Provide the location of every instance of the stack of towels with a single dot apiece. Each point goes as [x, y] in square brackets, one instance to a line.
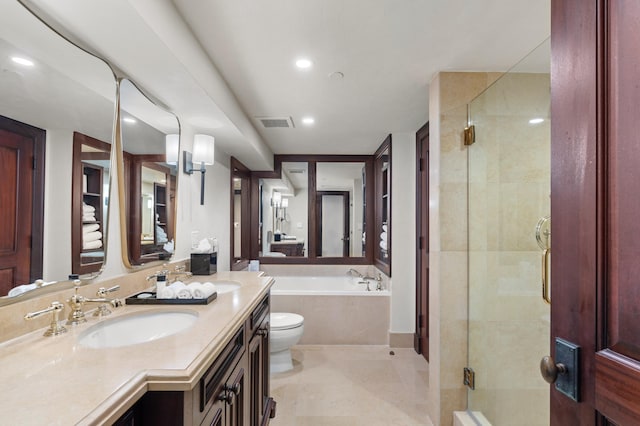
[91, 235]
[161, 235]
[180, 290]
[383, 238]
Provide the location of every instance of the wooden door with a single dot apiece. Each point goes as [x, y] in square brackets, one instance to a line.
[21, 203]
[421, 339]
[595, 203]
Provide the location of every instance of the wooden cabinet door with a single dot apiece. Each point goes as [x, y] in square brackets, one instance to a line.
[595, 205]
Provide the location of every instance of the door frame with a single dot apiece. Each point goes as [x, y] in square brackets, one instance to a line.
[421, 334]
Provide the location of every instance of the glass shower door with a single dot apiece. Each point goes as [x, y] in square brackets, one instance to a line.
[509, 192]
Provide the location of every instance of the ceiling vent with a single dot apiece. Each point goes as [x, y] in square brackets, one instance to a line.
[276, 122]
[296, 171]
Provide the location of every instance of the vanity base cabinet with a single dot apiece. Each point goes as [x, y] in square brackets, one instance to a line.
[234, 390]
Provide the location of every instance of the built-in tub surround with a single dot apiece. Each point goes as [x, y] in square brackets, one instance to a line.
[104, 383]
[337, 309]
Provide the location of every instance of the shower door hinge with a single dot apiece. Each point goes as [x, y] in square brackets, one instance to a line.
[469, 135]
[469, 378]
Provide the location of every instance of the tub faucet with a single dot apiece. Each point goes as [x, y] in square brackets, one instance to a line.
[377, 279]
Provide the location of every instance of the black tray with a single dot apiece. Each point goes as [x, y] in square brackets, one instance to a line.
[134, 300]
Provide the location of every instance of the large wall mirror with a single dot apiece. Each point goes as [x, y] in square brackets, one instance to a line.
[314, 209]
[240, 214]
[52, 94]
[150, 153]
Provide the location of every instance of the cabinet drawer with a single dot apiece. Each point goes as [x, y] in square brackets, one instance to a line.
[213, 380]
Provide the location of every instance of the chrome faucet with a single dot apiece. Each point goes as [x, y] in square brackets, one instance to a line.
[76, 302]
[102, 293]
[377, 279]
[178, 271]
[54, 328]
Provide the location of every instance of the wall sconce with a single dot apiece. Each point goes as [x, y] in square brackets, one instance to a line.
[172, 149]
[203, 153]
[276, 199]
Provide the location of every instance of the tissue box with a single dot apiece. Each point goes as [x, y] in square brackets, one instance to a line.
[204, 263]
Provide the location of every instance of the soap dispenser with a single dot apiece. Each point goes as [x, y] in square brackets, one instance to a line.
[161, 283]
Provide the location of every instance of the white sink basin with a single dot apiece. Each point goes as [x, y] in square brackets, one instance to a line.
[136, 328]
[226, 286]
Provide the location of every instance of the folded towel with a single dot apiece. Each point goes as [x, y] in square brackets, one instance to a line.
[171, 292]
[89, 217]
[92, 245]
[86, 208]
[91, 236]
[384, 228]
[202, 291]
[383, 245]
[184, 293]
[21, 289]
[90, 228]
[383, 236]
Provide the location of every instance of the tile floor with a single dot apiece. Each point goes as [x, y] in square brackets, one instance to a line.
[352, 386]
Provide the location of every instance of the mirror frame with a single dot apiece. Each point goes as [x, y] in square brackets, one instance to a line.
[312, 257]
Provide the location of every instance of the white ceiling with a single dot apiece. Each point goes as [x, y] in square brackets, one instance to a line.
[220, 63]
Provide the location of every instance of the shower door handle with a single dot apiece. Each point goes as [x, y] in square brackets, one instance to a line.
[546, 276]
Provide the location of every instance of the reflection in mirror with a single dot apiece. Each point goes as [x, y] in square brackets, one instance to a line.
[49, 91]
[148, 133]
[240, 214]
[340, 195]
[284, 207]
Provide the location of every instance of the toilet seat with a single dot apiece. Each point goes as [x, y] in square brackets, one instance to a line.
[285, 320]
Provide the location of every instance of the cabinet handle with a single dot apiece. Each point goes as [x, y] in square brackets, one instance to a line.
[263, 331]
[226, 396]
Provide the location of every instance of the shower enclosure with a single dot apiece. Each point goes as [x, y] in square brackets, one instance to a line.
[508, 195]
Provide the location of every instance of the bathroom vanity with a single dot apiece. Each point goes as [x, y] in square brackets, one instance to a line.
[216, 372]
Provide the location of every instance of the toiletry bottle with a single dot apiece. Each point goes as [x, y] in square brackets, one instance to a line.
[161, 283]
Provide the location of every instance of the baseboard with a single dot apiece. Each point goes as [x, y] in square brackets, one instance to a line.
[401, 340]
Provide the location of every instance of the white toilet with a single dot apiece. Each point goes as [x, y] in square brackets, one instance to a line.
[286, 331]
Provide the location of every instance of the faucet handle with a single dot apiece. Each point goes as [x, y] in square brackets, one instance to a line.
[54, 328]
[102, 292]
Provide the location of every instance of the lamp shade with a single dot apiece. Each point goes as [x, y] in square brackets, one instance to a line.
[284, 203]
[172, 148]
[276, 198]
[203, 149]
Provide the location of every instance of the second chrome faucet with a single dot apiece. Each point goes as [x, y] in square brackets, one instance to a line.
[76, 303]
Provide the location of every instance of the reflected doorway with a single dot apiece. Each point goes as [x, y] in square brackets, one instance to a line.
[333, 219]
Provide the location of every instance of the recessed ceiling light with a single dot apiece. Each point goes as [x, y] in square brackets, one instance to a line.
[336, 75]
[304, 63]
[308, 120]
[536, 120]
[129, 120]
[22, 61]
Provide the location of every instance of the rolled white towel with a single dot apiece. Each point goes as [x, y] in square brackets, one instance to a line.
[21, 289]
[383, 245]
[86, 208]
[90, 228]
[89, 217]
[202, 291]
[92, 245]
[383, 236]
[384, 228]
[171, 291]
[184, 293]
[91, 236]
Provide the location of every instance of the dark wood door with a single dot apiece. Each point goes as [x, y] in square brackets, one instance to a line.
[594, 199]
[21, 203]
[421, 339]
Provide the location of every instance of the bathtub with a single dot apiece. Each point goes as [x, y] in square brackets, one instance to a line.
[336, 310]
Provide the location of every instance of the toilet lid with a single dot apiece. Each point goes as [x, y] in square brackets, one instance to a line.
[285, 320]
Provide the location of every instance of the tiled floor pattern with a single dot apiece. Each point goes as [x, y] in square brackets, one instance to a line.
[352, 386]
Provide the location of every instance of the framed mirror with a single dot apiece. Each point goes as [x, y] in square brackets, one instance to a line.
[50, 91]
[150, 146]
[314, 209]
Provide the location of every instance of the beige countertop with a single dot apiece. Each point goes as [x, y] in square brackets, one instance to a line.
[55, 381]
